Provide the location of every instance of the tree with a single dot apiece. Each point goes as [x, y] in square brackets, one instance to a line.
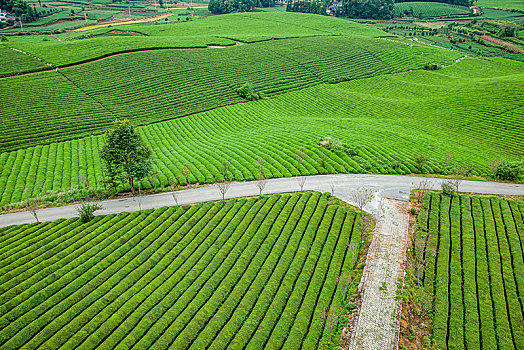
[420, 190]
[174, 190]
[301, 182]
[33, 203]
[361, 197]
[300, 155]
[509, 171]
[375, 9]
[224, 169]
[260, 162]
[332, 186]
[125, 155]
[223, 187]
[187, 170]
[261, 182]
[420, 160]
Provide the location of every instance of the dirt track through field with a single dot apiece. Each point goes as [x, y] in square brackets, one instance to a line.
[376, 327]
[143, 20]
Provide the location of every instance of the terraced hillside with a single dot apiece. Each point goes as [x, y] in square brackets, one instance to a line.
[475, 271]
[471, 111]
[430, 9]
[245, 273]
[13, 62]
[215, 30]
[159, 85]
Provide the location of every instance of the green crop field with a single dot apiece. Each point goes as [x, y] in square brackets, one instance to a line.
[505, 4]
[241, 274]
[471, 110]
[14, 62]
[430, 9]
[475, 271]
[158, 85]
[216, 30]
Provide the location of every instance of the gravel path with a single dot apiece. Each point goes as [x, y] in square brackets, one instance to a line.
[376, 328]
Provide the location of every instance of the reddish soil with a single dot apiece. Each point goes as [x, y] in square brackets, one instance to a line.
[119, 32]
[499, 42]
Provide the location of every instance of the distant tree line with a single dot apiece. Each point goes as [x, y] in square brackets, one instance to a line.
[467, 3]
[19, 8]
[373, 9]
[318, 7]
[218, 7]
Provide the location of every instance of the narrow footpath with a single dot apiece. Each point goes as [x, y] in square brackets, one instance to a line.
[376, 323]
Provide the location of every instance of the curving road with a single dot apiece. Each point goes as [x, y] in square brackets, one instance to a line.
[384, 186]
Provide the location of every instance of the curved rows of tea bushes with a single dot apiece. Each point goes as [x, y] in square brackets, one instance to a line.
[245, 273]
[476, 271]
[213, 30]
[430, 9]
[158, 85]
[390, 119]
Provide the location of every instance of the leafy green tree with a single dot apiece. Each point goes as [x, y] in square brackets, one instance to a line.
[375, 9]
[228, 6]
[125, 155]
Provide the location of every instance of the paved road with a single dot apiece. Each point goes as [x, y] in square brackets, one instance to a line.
[385, 186]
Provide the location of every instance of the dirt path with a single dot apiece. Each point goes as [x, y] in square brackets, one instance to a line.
[376, 327]
[135, 21]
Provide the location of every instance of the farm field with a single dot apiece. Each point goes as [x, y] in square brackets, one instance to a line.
[475, 271]
[245, 273]
[390, 119]
[215, 30]
[430, 9]
[158, 85]
[505, 4]
[13, 62]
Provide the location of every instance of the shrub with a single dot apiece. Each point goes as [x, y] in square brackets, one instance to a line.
[333, 144]
[86, 211]
[447, 188]
[431, 66]
[246, 91]
[413, 211]
[420, 160]
[510, 171]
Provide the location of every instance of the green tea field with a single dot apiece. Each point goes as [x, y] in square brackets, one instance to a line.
[123, 122]
[167, 84]
[239, 274]
[475, 271]
[390, 118]
[430, 9]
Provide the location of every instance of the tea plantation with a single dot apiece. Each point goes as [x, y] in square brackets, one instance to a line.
[246, 273]
[159, 85]
[475, 271]
[464, 110]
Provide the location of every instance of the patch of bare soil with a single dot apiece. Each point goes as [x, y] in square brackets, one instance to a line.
[124, 32]
[513, 48]
[413, 330]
